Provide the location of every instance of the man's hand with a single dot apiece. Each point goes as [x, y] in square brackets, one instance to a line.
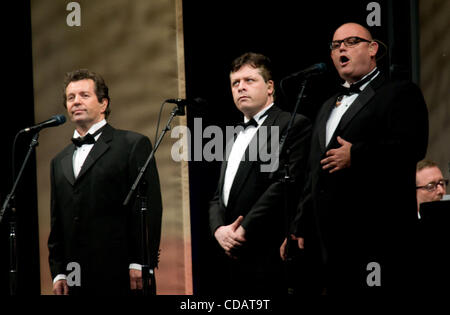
[240, 232]
[300, 244]
[240, 237]
[60, 287]
[135, 279]
[337, 159]
[231, 236]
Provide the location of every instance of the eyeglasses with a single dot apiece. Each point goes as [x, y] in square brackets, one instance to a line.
[432, 186]
[348, 42]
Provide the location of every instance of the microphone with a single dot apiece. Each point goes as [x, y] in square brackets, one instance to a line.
[177, 101]
[52, 122]
[316, 69]
[181, 103]
[197, 101]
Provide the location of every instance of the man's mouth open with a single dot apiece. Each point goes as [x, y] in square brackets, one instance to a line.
[344, 60]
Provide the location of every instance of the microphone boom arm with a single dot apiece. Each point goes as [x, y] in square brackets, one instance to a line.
[13, 259]
[11, 195]
[148, 273]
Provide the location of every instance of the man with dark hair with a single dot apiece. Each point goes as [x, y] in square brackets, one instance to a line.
[365, 145]
[247, 215]
[90, 180]
[100, 87]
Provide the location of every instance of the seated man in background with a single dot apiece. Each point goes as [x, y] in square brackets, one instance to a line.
[430, 183]
[433, 232]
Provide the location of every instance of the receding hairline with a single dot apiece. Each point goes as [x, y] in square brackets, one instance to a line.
[426, 164]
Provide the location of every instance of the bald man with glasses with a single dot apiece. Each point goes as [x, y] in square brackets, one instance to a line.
[359, 208]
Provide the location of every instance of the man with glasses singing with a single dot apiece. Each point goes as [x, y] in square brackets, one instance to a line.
[430, 183]
[365, 145]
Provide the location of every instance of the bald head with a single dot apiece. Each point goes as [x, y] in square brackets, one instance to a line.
[353, 63]
[356, 28]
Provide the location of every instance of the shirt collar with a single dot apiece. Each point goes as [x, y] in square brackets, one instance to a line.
[93, 128]
[259, 117]
[346, 84]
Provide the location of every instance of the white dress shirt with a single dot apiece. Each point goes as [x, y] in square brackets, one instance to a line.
[81, 153]
[237, 151]
[339, 111]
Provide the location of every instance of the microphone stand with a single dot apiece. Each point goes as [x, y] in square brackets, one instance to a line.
[287, 180]
[148, 273]
[13, 261]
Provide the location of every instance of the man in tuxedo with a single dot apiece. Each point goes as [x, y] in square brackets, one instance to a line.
[360, 198]
[247, 213]
[90, 180]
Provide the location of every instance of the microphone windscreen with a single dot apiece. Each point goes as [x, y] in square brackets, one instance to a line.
[321, 67]
[59, 119]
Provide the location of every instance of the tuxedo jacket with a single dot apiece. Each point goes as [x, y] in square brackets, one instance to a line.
[259, 195]
[90, 225]
[365, 211]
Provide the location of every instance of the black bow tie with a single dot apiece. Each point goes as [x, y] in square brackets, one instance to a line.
[355, 88]
[87, 139]
[251, 122]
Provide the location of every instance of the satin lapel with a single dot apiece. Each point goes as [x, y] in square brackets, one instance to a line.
[362, 100]
[222, 179]
[272, 114]
[100, 147]
[224, 165]
[322, 120]
[246, 165]
[357, 105]
[67, 165]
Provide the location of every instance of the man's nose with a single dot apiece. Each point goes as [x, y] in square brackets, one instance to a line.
[342, 47]
[441, 189]
[241, 86]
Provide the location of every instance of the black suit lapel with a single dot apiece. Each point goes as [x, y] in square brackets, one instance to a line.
[362, 100]
[356, 106]
[100, 147]
[246, 166]
[272, 114]
[223, 168]
[67, 164]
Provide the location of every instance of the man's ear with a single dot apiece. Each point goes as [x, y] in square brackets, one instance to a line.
[271, 87]
[104, 105]
[373, 48]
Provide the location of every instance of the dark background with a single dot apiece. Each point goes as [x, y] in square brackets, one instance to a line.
[18, 113]
[293, 34]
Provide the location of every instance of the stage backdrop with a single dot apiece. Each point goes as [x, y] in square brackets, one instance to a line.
[434, 17]
[133, 44]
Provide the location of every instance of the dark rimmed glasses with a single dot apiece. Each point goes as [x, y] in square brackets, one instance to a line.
[348, 42]
[433, 185]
